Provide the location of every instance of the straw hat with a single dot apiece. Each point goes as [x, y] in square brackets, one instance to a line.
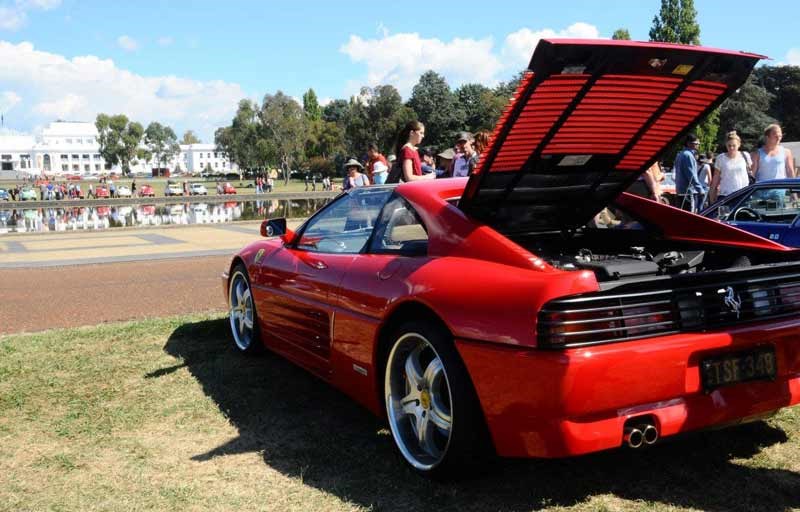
[353, 163]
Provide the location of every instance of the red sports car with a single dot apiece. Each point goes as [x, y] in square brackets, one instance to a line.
[227, 188]
[101, 191]
[146, 191]
[501, 313]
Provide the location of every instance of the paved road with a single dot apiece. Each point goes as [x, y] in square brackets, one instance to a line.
[71, 296]
[52, 280]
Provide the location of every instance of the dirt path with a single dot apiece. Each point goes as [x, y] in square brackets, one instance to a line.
[36, 299]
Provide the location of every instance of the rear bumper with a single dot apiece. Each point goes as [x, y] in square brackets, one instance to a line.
[541, 403]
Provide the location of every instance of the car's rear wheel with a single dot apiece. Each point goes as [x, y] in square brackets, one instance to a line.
[433, 413]
[242, 312]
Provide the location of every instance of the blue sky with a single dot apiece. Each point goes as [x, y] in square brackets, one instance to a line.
[188, 63]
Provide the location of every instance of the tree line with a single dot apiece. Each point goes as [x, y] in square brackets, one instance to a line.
[280, 132]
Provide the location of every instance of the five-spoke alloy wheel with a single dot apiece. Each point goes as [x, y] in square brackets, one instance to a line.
[242, 311]
[433, 414]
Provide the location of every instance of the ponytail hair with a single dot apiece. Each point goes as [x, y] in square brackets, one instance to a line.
[732, 135]
[402, 137]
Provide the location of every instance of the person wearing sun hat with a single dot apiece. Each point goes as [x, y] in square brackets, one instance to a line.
[354, 177]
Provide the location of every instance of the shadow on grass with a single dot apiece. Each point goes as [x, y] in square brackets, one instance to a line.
[304, 428]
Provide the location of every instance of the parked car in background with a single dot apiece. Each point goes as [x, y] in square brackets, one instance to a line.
[668, 192]
[4, 195]
[198, 189]
[227, 188]
[146, 191]
[123, 191]
[576, 337]
[173, 189]
[101, 191]
[28, 194]
[769, 208]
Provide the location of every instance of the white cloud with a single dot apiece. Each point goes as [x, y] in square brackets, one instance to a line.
[127, 43]
[14, 16]
[164, 41]
[8, 100]
[793, 57]
[519, 45]
[45, 86]
[400, 59]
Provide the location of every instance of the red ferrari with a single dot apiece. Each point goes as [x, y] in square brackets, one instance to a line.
[505, 313]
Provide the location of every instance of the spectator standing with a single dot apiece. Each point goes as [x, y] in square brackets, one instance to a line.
[354, 176]
[313, 182]
[133, 187]
[687, 183]
[377, 166]
[445, 160]
[112, 189]
[219, 188]
[427, 163]
[270, 183]
[305, 179]
[463, 155]
[773, 161]
[408, 161]
[648, 183]
[90, 192]
[732, 169]
[479, 146]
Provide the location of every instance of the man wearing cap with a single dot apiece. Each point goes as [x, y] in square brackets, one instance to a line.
[463, 153]
[687, 182]
[354, 176]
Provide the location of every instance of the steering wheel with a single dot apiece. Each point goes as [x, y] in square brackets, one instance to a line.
[754, 215]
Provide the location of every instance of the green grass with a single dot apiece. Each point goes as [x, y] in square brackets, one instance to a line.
[165, 415]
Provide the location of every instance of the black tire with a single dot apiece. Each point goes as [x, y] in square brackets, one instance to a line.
[467, 448]
[244, 342]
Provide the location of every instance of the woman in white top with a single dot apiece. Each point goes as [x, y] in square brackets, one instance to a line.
[773, 161]
[731, 168]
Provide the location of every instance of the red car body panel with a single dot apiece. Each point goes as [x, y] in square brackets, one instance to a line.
[330, 312]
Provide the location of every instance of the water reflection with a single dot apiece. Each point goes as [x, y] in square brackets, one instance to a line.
[34, 220]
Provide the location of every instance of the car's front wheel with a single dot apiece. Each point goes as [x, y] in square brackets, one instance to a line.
[434, 415]
[242, 312]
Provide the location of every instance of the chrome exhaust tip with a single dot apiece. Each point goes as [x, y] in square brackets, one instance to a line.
[649, 433]
[633, 437]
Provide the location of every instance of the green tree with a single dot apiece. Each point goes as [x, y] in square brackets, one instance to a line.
[436, 107]
[621, 34]
[745, 111]
[119, 140]
[322, 166]
[283, 131]
[676, 22]
[241, 141]
[324, 139]
[336, 111]
[190, 138]
[386, 114]
[481, 106]
[161, 142]
[311, 105]
[783, 83]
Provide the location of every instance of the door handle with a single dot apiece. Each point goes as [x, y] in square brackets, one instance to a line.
[319, 265]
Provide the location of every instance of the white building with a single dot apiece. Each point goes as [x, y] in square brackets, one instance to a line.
[72, 148]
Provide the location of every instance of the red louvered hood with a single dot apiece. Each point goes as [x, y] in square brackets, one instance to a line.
[588, 118]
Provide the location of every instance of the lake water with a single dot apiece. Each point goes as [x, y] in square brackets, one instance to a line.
[79, 218]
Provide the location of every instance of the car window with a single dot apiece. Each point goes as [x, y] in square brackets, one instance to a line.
[346, 224]
[400, 230]
[779, 205]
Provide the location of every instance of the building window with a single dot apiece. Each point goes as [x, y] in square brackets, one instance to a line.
[97, 156]
[76, 167]
[87, 167]
[209, 155]
[97, 167]
[85, 157]
[64, 157]
[68, 141]
[65, 167]
[75, 157]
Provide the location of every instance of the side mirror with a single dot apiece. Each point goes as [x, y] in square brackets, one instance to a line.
[273, 227]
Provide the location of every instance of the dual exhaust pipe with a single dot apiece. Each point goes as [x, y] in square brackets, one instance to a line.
[641, 434]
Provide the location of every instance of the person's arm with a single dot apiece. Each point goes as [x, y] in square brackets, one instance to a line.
[651, 184]
[755, 165]
[408, 172]
[790, 171]
[714, 189]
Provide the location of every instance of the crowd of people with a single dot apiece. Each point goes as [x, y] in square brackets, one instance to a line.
[701, 179]
[411, 162]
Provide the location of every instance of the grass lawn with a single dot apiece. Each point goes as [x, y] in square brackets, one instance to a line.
[165, 415]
